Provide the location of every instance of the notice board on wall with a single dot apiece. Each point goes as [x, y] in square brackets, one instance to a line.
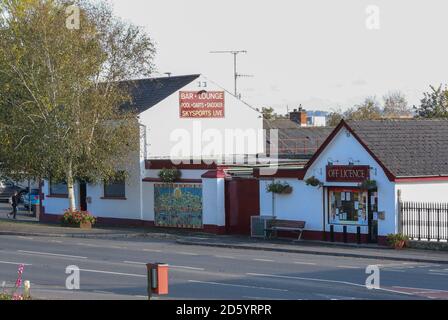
[201, 104]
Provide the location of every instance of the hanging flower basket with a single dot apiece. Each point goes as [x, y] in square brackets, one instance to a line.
[368, 184]
[279, 188]
[314, 182]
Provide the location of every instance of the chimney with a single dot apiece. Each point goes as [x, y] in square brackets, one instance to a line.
[298, 116]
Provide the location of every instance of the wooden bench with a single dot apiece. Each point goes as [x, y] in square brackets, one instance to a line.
[284, 225]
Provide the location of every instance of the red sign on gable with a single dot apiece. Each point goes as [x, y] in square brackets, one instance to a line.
[201, 104]
[348, 173]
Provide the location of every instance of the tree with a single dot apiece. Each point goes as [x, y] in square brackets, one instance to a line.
[369, 109]
[60, 90]
[395, 105]
[334, 117]
[267, 112]
[434, 103]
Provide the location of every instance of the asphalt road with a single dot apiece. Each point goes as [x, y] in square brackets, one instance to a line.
[115, 269]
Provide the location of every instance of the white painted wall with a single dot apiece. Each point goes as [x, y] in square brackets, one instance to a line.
[306, 202]
[345, 148]
[55, 205]
[162, 119]
[436, 191]
[213, 202]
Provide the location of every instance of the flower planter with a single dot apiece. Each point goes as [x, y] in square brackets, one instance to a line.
[287, 190]
[399, 244]
[85, 225]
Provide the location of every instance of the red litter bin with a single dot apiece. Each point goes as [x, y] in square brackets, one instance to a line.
[157, 278]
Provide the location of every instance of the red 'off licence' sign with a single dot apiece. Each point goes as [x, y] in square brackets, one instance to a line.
[348, 173]
[201, 104]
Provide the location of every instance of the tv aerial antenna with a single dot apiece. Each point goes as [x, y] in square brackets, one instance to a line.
[236, 75]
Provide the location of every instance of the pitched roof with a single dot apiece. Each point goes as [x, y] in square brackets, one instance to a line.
[407, 148]
[148, 92]
[296, 141]
[403, 148]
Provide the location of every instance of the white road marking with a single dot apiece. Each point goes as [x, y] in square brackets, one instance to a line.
[348, 267]
[152, 250]
[186, 253]
[434, 270]
[321, 280]
[264, 260]
[23, 237]
[394, 270]
[16, 263]
[116, 273]
[421, 289]
[225, 257]
[438, 274]
[236, 285]
[87, 245]
[307, 263]
[51, 254]
[56, 241]
[116, 247]
[187, 267]
[134, 262]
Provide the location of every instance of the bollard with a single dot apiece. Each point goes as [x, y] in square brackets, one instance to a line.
[358, 235]
[344, 232]
[331, 233]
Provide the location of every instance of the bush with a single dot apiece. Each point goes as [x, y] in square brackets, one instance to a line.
[169, 175]
[76, 217]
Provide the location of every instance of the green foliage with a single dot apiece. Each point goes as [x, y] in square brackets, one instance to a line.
[279, 187]
[394, 238]
[313, 181]
[76, 217]
[169, 175]
[60, 90]
[434, 103]
[368, 184]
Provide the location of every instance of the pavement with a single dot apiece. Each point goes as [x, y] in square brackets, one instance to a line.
[115, 269]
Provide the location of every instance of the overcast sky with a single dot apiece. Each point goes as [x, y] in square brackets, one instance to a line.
[318, 53]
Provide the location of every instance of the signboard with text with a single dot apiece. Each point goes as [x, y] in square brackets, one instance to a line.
[201, 104]
[348, 173]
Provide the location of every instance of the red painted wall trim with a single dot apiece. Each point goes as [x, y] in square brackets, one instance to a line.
[158, 164]
[215, 174]
[282, 173]
[421, 179]
[121, 222]
[341, 125]
[178, 180]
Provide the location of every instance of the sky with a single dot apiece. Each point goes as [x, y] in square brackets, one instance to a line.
[322, 54]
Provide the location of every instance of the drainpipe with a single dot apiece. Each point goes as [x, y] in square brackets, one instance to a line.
[142, 167]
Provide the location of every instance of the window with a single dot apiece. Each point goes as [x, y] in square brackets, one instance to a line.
[58, 188]
[348, 206]
[115, 188]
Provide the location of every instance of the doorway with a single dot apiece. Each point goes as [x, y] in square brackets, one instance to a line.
[83, 196]
[373, 215]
